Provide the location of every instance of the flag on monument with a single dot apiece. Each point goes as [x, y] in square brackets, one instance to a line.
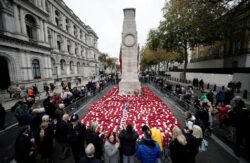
[120, 60]
[138, 61]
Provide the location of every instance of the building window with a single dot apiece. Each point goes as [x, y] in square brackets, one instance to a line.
[57, 18]
[63, 65]
[67, 25]
[30, 27]
[75, 31]
[36, 69]
[59, 42]
[59, 45]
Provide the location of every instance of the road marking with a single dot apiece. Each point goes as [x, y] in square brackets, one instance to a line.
[15, 124]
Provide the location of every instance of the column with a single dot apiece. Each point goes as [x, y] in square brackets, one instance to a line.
[17, 20]
[23, 25]
[45, 32]
[64, 45]
[67, 69]
[41, 37]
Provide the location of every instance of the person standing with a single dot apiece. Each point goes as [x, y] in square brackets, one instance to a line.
[62, 131]
[96, 139]
[90, 155]
[23, 146]
[193, 142]
[2, 116]
[10, 90]
[111, 149]
[148, 151]
[128, 139]
[178, 146]
[77, 137]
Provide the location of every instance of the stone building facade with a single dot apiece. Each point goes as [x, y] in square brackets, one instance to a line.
[43, 41]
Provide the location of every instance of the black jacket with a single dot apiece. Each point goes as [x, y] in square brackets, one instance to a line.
[22, 149]
[178, 152]
[62, 131]
[128, 142]
[89, 160]
[93, 137]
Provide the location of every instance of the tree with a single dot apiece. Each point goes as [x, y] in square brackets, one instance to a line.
[103, 59]
[188, 23]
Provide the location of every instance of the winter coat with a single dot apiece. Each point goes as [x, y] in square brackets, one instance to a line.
[178, 152]
[128, 142]
[111, 153]
[62, 131]
[148, 151]
[23, 149]
[93, 137]
[45, 143]
[193, 147]
[89, 160]
[157, 136]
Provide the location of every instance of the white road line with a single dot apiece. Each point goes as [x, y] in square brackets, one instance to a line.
[15, 124]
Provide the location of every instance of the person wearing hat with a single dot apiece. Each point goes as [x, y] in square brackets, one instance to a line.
[77, 137]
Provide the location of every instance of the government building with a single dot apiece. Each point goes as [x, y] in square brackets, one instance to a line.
[43, 41]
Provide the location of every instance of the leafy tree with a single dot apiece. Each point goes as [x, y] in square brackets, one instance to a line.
[188, 23]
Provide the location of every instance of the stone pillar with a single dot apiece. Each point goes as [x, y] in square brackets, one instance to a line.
[17, 19]
[67, 68]
[129, 81]
[22, 21]
[41, 33]
[46, 37]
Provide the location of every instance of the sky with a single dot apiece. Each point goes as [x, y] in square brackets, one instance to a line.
[106, 17]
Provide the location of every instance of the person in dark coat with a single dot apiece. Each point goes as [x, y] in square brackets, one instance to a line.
[128, 139]
[23, 146]
[240, 121]
[228, 96]
[178, 147]
[194, 141]
[96, 139]
[2, 116]
[77, 137]
[62, 131]
[210, 96]
[44, 139]
[50, 107]
[90, 155]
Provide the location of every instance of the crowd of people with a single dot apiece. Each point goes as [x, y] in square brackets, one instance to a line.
[212, 109]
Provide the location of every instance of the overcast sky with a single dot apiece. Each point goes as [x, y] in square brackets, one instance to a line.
[106, 18]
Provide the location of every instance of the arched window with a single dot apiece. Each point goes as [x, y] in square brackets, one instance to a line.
[36, 69]
[63, 65]
[30, 27]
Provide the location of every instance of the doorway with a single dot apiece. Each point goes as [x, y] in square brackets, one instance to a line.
[4, 72]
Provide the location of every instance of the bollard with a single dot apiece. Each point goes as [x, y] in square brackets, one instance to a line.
[245, 94]
[215, 88]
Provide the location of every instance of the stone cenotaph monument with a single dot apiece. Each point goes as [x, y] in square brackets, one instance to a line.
[129, 83]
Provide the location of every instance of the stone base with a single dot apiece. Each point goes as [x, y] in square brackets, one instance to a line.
[129, 87]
